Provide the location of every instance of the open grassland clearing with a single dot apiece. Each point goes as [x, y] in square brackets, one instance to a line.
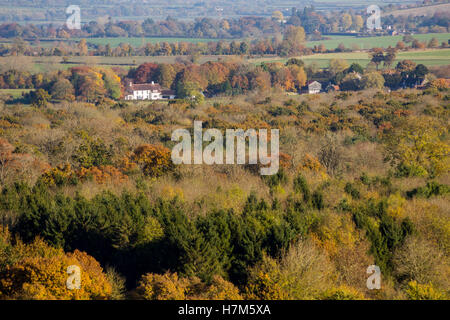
[440, 57]
[45, 64]
[421, 11]
[15, 93]
[137, 42]
[373, 42]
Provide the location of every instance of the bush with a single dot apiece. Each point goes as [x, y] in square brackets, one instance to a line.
[170, 287]
[416, 291]
[300, 185]
[317, 200]
[153, 160]
[92, 152]
[343, 293]
[162, 287]
[352, 191]
[431, 189]
[39, 272]
[303, 272]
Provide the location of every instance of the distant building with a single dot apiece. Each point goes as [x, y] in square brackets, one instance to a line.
[312, 87]
[355, 75]
[168, 94]
[332, 88]
[147, 91]
[421, 83]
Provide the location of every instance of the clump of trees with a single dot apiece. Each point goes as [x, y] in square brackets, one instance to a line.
[83, 83]
[362, 181]
[38, 271]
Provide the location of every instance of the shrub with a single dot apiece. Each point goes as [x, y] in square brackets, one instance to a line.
[300, 185]
[60, 176]
[103, 174]
[352, 191]
[432, 188]
[153, 160]
[92, 152]
[317, 200]
[170, 287]
[416, 291]
[162, 287]
[40, 272]
[330, 156]
[303, 272]
[343, 293]
[420, 260]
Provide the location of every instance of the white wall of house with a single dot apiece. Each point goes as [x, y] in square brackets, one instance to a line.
[144, 95]
[314, 87]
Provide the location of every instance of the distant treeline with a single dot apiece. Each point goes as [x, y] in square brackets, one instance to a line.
[188, 80]
[308, 18]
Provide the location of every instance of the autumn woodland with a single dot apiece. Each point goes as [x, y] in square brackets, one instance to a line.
[87, 178]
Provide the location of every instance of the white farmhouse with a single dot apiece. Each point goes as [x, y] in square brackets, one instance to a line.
[147, 91]
[312, 87]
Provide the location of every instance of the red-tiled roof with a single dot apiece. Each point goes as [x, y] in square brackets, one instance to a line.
[145, 86]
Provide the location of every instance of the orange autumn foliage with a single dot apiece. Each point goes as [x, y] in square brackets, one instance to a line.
[103, 174]
[170, 286]
[39, 272]
[154, 160]
[17, 164]
[311, 163]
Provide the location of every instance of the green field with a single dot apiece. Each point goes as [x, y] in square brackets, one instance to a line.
[114, 42]
[137, 42]
[15, 93]
[45, 64]
[341, 3]
[332, 43]
[348, 41]
[372, 42]
[439, 57]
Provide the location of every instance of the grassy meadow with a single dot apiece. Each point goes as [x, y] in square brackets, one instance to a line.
[373, 42]
[45, 64]
[15, 93]
[137, 42]
[429, 58]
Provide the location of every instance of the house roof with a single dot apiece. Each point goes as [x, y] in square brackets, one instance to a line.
[309, 83]
[167, 92]
[143, 86]
[334, 87]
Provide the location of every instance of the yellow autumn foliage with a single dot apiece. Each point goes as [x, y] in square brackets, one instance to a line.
[417, 291]
[154, 160]
[343, 293]
[170, 286]
[396, 205]
[162, 287]
[39, 272]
